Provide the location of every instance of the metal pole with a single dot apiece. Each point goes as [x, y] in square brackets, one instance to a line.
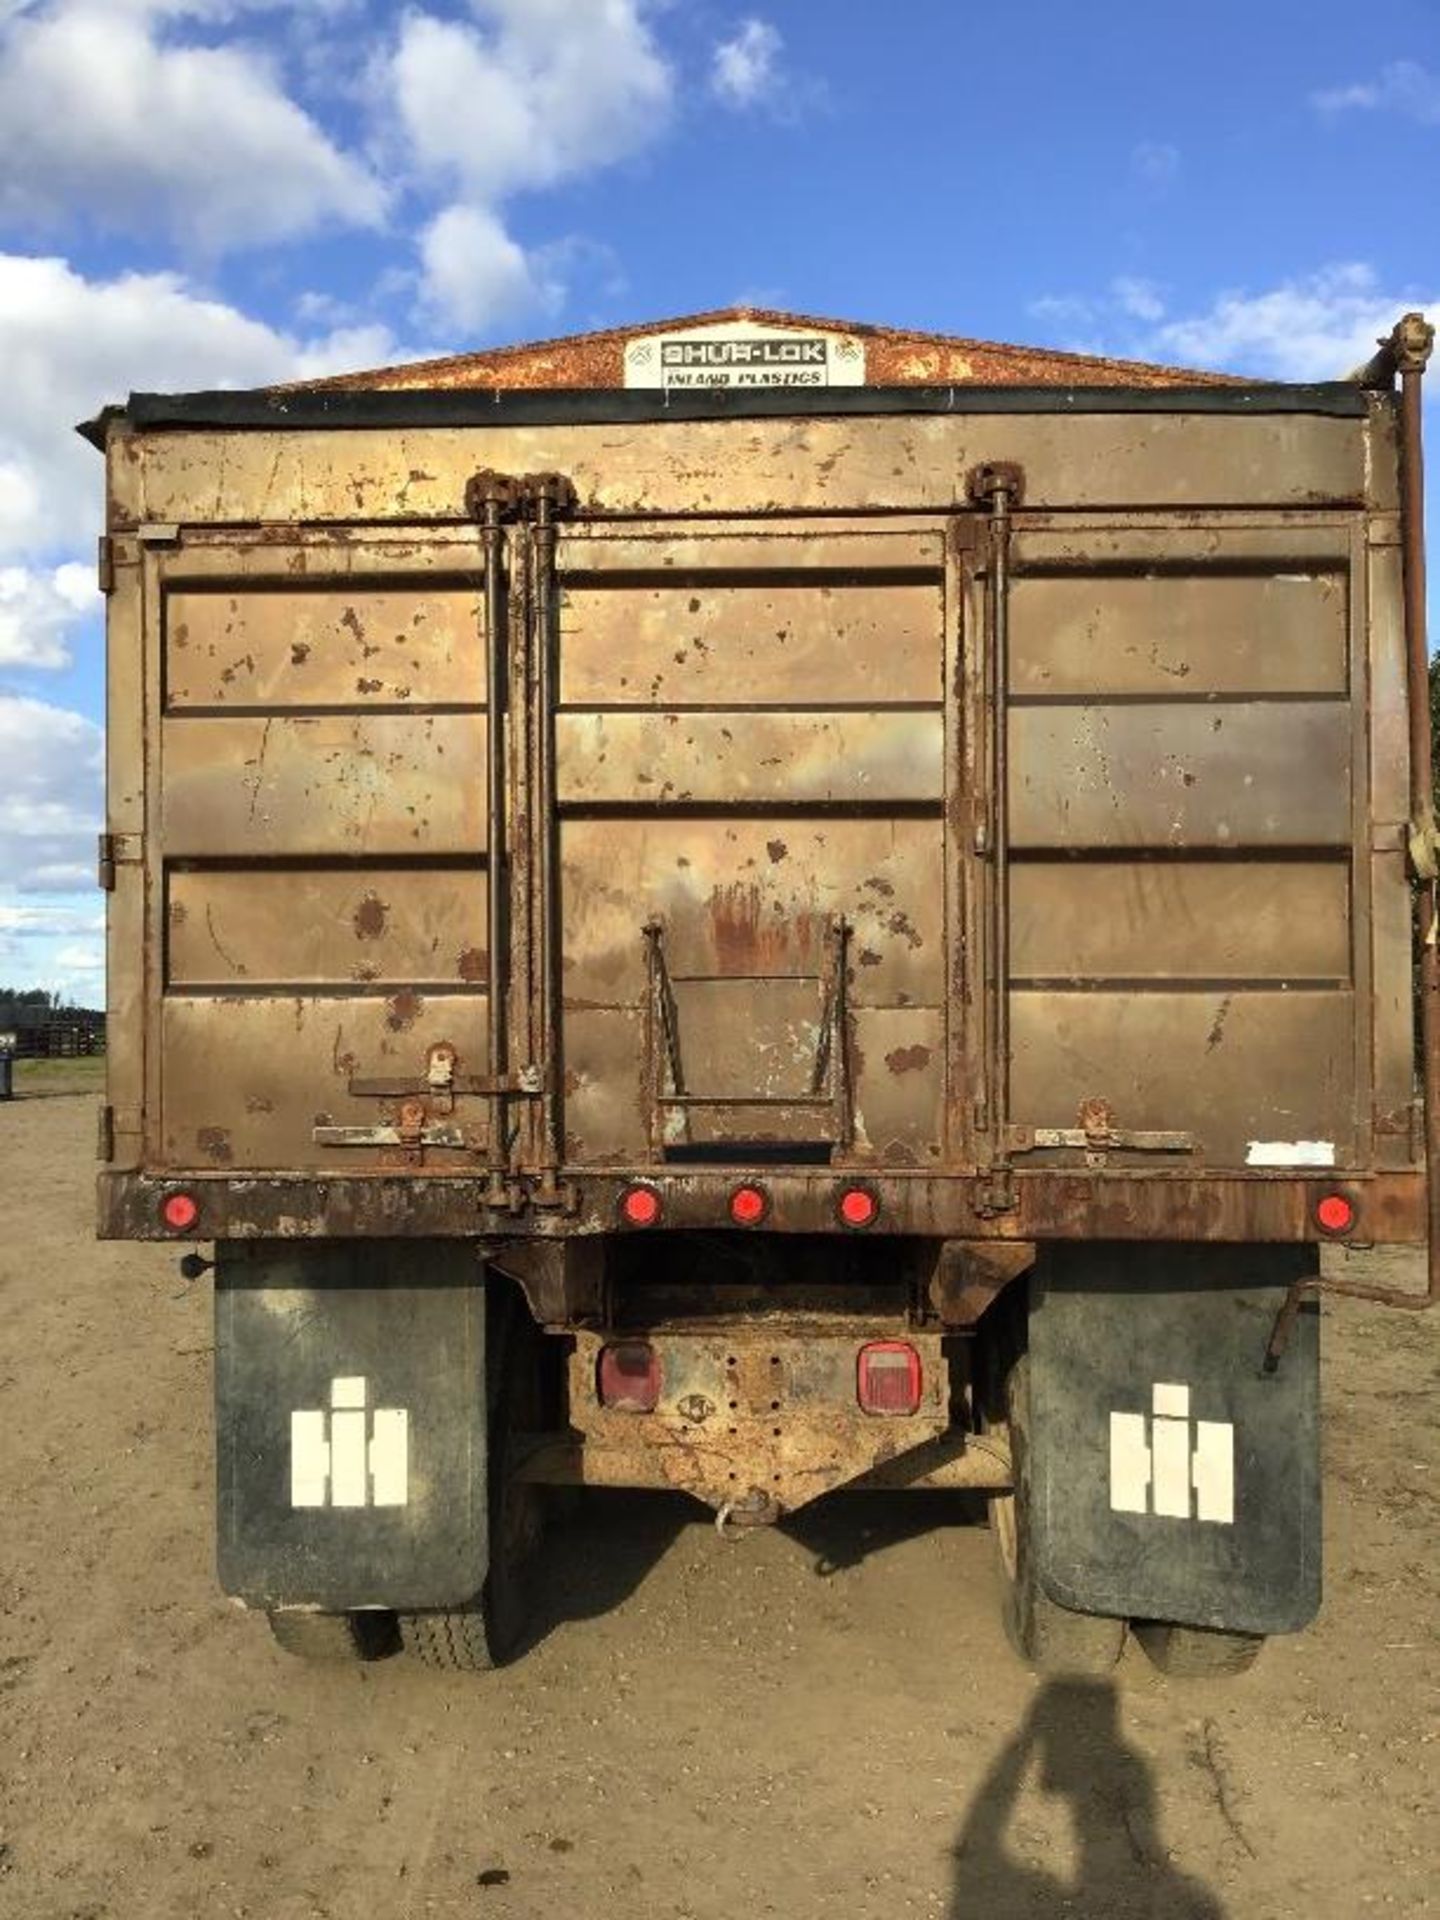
[496, 919]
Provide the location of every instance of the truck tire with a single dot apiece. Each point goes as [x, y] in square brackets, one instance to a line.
[1197, 1653]
[490, 1631]
[332, 1636]
[458, 1640]
[1049, 1638]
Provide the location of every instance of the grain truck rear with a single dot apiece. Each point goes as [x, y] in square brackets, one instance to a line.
[757, 906]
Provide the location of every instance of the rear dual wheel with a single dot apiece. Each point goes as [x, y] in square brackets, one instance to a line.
[332, 1636]
[1197, 1653]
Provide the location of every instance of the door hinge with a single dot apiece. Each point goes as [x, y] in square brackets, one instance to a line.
[115, 850]
[105, 1138]
[105, 564]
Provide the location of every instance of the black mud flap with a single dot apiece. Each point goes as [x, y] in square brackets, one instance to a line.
[1172, 1478]
[350, 1424]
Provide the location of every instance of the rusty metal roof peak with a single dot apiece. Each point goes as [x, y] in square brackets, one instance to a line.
[896, 356]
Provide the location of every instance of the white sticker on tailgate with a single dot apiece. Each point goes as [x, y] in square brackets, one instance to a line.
[1290, 1153]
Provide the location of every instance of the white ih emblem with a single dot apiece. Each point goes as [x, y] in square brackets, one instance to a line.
[1180, 1458]
[344, 1456]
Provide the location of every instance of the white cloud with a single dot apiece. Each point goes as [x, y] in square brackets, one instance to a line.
[1139, 298]
[1317, 327]
[544, 91]
[77, 959]
[51, 802]
[58, 947]
[69, 345]
[105, 120]
[745, 69]
[535, 93]
[37, 610]
[473, 274]
[1403, 87]
[46, 923]
[1155, 164]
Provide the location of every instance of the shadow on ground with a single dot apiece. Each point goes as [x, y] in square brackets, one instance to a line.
[600, 1545]
[1070, 1748]
[843, 1529]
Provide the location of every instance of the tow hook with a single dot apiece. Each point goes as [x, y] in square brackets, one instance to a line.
[755, 1509]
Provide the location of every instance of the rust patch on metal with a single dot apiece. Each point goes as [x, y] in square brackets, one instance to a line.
[750, 940]
[776, 849]
[403, 1009]
[370, 917]
[908, 1059]
[471, 965]
[214, 1143]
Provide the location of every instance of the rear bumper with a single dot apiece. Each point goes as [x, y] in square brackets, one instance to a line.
[1390, 1207]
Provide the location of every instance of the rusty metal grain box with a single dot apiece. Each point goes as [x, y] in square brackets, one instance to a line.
[996, 794]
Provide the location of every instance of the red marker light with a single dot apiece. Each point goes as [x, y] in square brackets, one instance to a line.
[858, 1207]
[628, 1377]
[640, 1206]
[749, 1206]
[1335, 1214]
[180, 1211]
[888, 1377]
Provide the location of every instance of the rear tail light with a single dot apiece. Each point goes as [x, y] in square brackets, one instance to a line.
[640, 1206]
[749, 1206]
[888, 1377]
[629, 1377]
[858, 1207]
[1335, 1213]
[179, 1211]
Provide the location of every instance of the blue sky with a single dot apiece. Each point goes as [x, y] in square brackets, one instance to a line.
[228, 192]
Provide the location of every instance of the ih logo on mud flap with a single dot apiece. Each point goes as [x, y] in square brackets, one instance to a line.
[1182, 1468]
[347, 1456]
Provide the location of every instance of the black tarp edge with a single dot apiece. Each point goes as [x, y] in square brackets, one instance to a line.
[613, 406]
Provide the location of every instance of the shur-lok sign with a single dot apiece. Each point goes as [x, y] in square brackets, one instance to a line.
[738, 354]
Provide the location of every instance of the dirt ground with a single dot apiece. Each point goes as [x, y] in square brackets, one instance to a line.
[824, 1720]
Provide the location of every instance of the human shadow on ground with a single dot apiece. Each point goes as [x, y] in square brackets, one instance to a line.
[1070, 1745]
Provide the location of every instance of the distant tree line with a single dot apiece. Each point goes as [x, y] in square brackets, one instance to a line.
[38, 1004]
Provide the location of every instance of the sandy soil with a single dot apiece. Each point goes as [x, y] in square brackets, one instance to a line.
[824, 1720]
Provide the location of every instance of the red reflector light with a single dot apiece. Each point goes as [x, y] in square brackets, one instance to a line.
[1335, 1214]
[888, 1377]
[858, 1206]
[179, 1211]
[629, 1377]
[640, 1207]
[749, 1206]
